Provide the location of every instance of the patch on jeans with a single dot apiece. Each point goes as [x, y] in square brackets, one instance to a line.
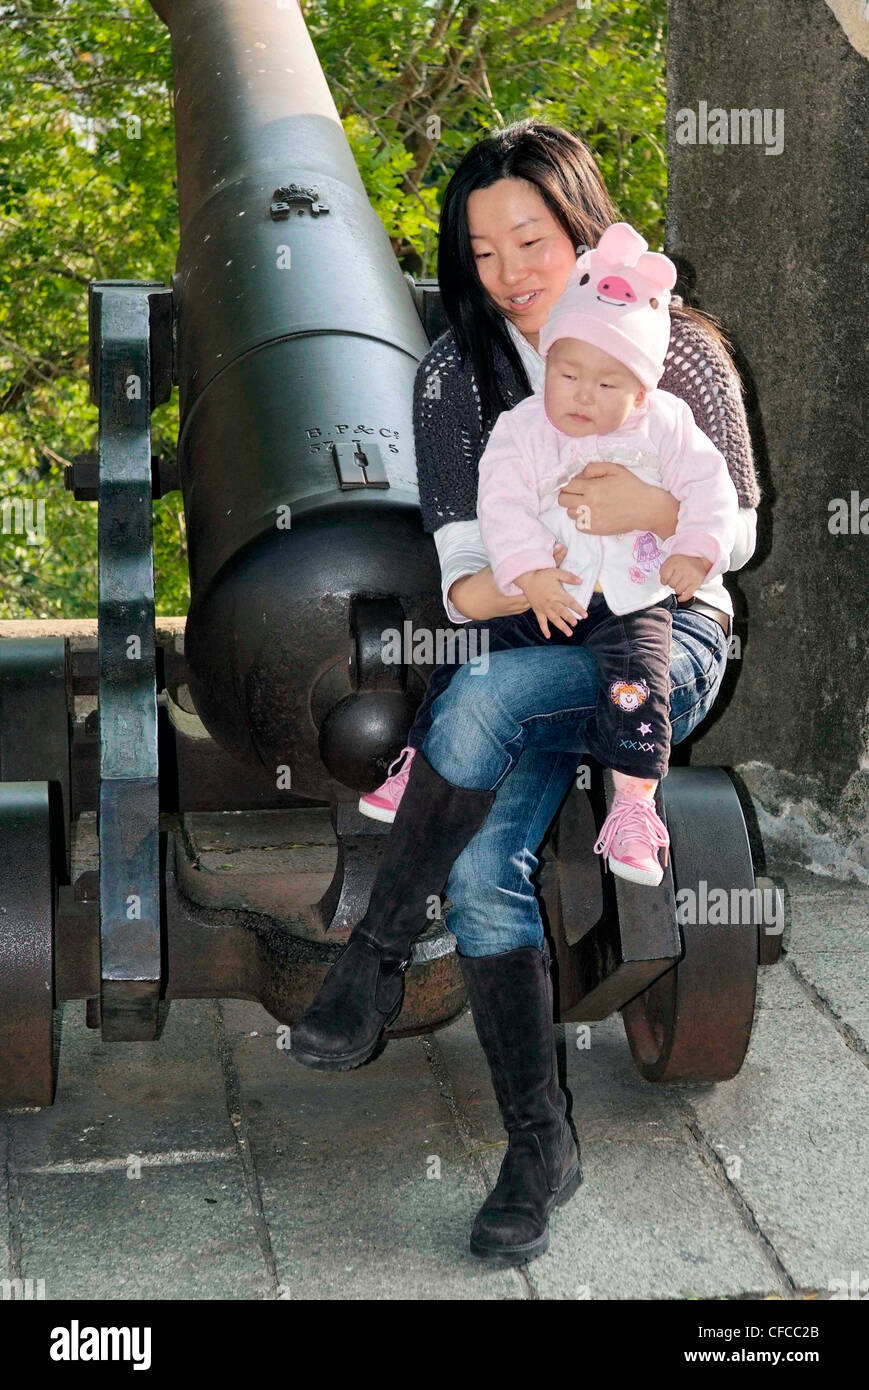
[636, 746]
[629, 695]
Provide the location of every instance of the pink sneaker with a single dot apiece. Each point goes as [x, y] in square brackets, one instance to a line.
[382, 804]
[631, 836]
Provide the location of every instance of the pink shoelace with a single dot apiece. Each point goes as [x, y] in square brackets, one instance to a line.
[397, 781]
[633, 818]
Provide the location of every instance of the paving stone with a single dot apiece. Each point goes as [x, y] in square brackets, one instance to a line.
[184, 1227]
[115, 1099]
[829, 945]
[797, 1118]
[175, 1233]
[841, 977]
[344, 1161]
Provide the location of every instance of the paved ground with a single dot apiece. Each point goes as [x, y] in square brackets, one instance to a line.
[209, 1165]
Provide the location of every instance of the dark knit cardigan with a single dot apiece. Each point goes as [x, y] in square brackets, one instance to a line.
[448, 427]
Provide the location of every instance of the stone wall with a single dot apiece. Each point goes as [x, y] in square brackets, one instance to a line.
[775, 244]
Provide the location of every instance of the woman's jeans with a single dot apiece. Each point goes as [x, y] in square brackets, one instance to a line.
[525, 716]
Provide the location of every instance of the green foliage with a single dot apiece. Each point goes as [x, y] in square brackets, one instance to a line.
[87, 192]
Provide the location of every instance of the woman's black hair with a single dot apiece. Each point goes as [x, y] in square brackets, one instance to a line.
[563, 170]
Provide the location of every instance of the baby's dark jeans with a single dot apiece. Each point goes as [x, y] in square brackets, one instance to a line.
[630, 730]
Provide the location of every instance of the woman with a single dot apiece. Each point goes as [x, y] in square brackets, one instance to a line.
[501, 747]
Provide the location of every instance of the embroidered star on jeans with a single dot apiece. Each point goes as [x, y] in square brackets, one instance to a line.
[644, 728]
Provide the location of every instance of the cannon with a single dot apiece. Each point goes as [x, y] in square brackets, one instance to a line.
[293, 339]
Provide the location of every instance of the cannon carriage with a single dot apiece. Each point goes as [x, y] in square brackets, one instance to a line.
[293, 339]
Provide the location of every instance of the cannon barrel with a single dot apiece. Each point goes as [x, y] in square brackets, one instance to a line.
[297, 346]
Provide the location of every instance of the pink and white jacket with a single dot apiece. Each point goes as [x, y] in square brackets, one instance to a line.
[528, 459]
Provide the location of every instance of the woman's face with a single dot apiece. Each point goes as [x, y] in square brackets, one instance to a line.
[519, 249]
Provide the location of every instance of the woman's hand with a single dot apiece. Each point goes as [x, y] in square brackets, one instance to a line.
[478, 597]
[615, 500]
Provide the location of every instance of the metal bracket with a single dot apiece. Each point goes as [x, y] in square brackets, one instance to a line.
[612, 938]
[161, 324]
[289, 197]
[357, 467]
[122, 314]
[427, 302]
[360, 848]
[81, 477]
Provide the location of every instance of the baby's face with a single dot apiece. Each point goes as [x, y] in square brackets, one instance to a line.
[586, 390]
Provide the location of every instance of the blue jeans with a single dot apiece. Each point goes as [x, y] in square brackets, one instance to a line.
[525, 716]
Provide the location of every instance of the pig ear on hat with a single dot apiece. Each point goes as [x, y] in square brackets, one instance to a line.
[657, 269]
[621, 245]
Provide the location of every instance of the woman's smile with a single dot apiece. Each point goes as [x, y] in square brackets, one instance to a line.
[525, 300]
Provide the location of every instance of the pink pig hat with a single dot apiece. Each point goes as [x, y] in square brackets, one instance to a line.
[617, 299]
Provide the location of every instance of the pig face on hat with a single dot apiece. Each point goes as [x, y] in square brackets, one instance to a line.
[618, 299]
[622, 273]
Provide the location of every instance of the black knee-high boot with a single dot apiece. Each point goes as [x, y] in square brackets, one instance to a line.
[511, 1004]
[364, 990]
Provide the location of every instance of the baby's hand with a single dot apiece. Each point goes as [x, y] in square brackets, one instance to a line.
[685, 574]
[545, 592]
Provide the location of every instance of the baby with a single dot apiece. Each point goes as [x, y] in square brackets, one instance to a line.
[604, 343]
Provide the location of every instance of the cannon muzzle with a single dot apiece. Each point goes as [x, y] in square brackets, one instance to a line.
[297, 346]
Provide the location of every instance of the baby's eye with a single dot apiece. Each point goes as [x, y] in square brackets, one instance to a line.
[531, 243]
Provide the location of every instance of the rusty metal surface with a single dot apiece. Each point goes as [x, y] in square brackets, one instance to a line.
[694, 1024]
[77, 945]
[30, 835]
[214, 953]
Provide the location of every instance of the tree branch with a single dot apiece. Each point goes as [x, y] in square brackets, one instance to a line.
[38, 371]
[385, 139]
[541, 21]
